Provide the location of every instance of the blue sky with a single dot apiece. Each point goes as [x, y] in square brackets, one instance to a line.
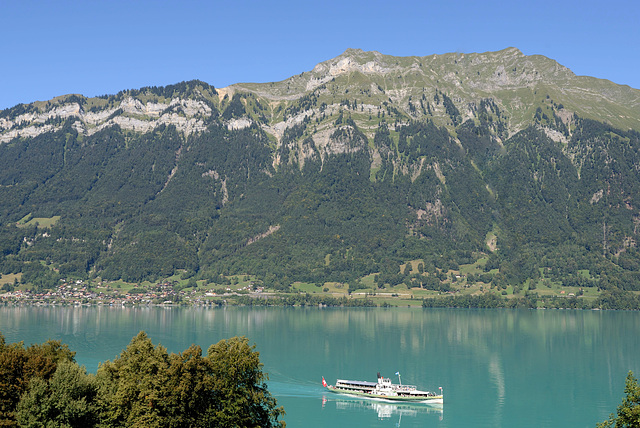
[51, 48]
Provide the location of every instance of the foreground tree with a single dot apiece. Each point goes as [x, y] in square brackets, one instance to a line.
[628, 415]
[241, 395]
[20, 365]
[130, 389]
[42, 386]
[189, 390]
[145, 386]
[66, 400]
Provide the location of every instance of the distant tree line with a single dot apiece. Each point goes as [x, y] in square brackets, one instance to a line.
[614, 299]
[304, 300]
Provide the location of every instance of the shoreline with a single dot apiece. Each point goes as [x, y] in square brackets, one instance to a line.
[611, 301]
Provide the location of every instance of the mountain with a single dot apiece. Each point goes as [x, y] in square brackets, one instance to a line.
[501, 161]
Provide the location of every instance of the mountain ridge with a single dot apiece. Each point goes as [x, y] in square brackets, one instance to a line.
[500, 161]
[499, 75]
[492, 70]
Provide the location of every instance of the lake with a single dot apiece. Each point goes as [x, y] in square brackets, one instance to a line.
[498, 368]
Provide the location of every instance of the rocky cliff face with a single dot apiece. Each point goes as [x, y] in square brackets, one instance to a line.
[130, 113]
[367, 86]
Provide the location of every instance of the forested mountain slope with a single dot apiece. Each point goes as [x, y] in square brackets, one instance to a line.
[354, 168]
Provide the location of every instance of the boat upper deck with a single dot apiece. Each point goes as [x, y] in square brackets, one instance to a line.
[356, 383]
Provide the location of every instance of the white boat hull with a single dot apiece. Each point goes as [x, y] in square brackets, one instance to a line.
[391, 398]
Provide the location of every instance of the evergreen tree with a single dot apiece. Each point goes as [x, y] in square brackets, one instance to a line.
[628, 414]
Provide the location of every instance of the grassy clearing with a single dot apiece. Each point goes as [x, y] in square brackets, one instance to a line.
[307, 287]
[40, 222]
[10, 278]
[121, 286]
[335, 288]
[475, 268]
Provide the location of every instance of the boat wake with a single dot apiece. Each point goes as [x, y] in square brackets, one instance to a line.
[295, 388]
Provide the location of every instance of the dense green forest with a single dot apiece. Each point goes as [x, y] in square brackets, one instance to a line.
[117, 204]
[42, 385]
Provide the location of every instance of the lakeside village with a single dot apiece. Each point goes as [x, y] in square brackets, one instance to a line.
[168, 293]
[79, 293]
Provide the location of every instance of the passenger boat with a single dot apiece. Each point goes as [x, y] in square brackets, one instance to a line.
[384, 390]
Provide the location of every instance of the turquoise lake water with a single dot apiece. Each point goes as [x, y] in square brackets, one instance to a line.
[498, 368]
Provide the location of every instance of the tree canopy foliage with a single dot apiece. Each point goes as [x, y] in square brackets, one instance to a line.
[628, 414]
[145, 386]
[19, 365]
